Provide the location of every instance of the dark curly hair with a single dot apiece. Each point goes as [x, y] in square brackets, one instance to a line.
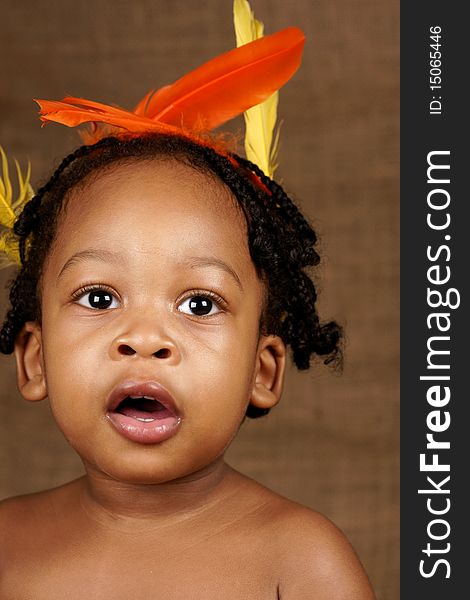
[281, 241]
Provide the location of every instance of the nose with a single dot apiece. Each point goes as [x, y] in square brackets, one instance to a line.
[144, 339]
[125, 349]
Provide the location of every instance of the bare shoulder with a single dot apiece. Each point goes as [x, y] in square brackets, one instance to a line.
[313, 556]
[20, 515]
[32, 504]
[14, 510]
[17, 517]
[318, 560]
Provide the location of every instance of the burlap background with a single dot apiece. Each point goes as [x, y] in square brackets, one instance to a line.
[333, 442]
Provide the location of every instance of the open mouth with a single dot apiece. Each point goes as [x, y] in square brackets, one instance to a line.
[143, 412]
[143, 408]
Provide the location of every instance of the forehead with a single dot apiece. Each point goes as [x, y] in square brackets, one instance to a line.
[153, 206]
[159, 180]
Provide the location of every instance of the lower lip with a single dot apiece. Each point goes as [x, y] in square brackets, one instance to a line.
[145, 432]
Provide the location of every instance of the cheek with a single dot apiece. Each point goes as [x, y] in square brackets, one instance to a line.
[72, 348]
[72, 376]
[225, 380]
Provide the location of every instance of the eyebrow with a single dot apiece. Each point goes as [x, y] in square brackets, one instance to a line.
[106, 256]
[211, 261]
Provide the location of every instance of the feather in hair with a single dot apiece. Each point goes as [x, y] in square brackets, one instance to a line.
[10, 209]
[261, 132]
[205, 98]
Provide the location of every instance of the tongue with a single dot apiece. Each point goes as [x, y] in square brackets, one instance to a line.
[143, 409]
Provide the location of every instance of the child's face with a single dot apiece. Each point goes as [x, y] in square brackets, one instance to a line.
[149, 286]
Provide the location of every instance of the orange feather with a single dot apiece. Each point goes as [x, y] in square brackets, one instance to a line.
[77, 111]
[205, 98]
[227, 85]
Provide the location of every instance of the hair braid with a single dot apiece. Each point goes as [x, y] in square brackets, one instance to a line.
[23, 291]
[280, 239]
[282, 244]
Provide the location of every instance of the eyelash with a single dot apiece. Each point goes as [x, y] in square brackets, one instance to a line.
[211, 295]
[219, 303]
[86, 289]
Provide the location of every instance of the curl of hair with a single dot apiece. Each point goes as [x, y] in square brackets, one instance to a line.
[281, 241]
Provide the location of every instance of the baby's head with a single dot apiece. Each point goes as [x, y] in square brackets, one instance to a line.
[191, 213]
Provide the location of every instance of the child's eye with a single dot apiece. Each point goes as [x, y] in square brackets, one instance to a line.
[98, 299]
[200, 306]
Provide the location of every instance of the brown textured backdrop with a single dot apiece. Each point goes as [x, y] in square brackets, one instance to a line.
[333, 442]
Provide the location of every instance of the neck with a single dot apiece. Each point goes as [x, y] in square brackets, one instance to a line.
[110, 501]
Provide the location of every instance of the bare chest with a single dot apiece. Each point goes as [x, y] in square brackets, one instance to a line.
[219, 566]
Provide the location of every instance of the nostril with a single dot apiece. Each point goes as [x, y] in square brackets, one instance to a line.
[162, 353]
[126, 350]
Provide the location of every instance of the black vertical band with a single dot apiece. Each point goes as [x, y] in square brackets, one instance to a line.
[435, 259]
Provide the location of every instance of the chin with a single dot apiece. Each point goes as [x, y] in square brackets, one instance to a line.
[145, 472]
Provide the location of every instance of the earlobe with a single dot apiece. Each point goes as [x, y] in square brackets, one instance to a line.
[29, 363]
[269, 377]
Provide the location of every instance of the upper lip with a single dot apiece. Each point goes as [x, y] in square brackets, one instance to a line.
[151, 389]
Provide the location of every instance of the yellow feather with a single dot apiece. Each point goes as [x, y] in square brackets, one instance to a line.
[10, 209]
[9, 249]
[262, 135]
[7, 216]
[26, 192]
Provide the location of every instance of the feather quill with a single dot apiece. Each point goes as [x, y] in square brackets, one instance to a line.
[205, 98]
[261, 133]
[10, 209]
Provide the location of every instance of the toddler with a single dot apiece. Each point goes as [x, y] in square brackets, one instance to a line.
[162, 279]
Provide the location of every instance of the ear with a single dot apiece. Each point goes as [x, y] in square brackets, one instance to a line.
[269, 376]
[30, 373]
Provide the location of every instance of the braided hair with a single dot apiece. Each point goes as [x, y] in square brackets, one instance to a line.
[280, 240]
